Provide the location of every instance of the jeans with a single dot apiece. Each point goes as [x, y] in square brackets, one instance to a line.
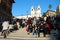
[35, 32]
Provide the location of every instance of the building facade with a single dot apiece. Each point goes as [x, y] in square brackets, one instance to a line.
[34, 13]
[6, 9]
[58, 10]
[51, 13]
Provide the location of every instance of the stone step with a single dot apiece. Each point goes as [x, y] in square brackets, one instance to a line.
[22, 38]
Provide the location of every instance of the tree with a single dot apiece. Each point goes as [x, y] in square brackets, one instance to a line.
[44, 14]
[50, 6]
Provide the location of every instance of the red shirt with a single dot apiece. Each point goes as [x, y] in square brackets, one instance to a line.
[48, 26]
[29, 21]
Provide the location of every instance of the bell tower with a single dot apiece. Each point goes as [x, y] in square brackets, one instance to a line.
[32, 11]
[38, 12]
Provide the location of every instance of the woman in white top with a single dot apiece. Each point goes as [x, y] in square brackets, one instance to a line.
[5, 25]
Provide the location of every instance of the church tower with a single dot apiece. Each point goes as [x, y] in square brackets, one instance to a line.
[38, 12]
[32, 11]
[58, 10]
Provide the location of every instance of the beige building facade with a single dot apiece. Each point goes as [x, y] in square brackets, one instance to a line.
[36, 13]
[51, 13]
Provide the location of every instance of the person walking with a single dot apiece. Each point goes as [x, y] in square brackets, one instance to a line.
[5, 25]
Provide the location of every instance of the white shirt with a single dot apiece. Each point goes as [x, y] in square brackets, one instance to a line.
[11, 26]
[45, 18]
[5, 25]
[18, 24]
[34, 21]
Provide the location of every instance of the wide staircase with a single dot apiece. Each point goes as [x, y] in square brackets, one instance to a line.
[21, 34]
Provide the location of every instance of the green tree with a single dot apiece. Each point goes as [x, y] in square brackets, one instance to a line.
[50, 6]
[44, 14]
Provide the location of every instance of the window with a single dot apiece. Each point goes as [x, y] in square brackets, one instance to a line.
[0, 1]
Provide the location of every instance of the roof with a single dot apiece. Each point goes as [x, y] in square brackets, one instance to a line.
[12, 1]
[51, 11]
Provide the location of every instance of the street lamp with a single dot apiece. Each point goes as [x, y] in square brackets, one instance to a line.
[27, 13]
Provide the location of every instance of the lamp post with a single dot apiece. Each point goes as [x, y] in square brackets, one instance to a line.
[27, 13]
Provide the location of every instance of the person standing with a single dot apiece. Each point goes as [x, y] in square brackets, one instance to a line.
[5, 25]
[34, 21]
[18, 24]
[42, 29]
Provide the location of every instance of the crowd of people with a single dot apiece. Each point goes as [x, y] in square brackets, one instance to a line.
[33, 25]
[42, 24]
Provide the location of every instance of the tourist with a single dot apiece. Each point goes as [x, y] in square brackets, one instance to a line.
[5, 25]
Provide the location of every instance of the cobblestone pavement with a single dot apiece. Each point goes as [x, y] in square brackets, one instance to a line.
[21, 34]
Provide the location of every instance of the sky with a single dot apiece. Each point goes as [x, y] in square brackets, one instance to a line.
[23, 7]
